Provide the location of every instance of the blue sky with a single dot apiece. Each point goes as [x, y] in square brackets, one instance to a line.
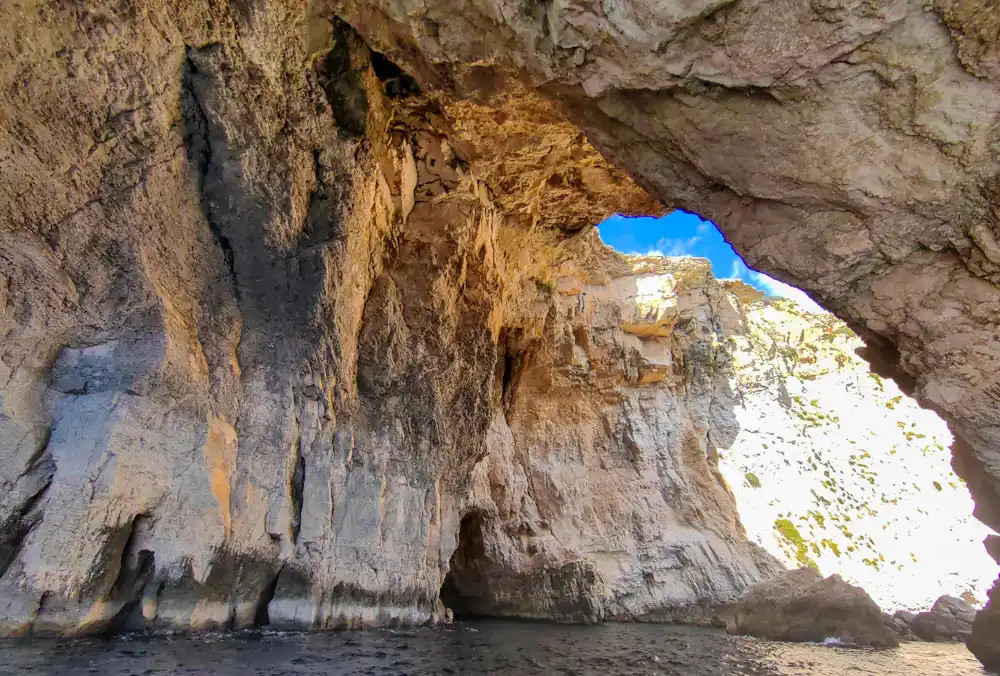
[682, 234]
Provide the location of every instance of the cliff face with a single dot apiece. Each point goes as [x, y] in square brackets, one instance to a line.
[848, 148]
[834, 466]
[260, 287]
[600, 495]
[228, 376]
[264, 311]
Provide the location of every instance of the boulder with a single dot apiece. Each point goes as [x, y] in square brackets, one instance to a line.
[899, 624]
[949, 619]
[800, 605]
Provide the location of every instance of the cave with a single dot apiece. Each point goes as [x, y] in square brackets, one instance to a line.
[214, 218]
[462, 588]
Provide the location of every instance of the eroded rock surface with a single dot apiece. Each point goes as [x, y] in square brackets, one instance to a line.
[851, 155]
[602, 462]
[259, 279]
[949, 619]
[271, 314]
[800, 605]
[834, 466]
[252, 297]
[850, 149]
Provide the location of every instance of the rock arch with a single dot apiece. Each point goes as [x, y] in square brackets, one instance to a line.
[212, 226]
[795, 142]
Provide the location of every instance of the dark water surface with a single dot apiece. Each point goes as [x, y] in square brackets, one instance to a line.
[474, 648]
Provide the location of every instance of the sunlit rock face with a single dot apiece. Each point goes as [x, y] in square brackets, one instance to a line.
[847, 148]
[835, 466]
[602, 493]
[600, 496]
[252, 293]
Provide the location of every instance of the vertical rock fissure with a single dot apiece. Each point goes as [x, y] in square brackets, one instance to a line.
[296, 486]
[198, 148]
[135, 569]
[512, 359]
[262, 617]
[395, 82]
[20, 524]
[341, 81]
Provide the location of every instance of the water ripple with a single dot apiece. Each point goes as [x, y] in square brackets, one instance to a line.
[473, 648]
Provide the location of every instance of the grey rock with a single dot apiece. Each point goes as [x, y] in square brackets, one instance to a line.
[800, 605]
[950, 619]
[258, 343]
[898, 625]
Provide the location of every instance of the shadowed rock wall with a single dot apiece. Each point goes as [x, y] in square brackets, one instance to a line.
[256, 297]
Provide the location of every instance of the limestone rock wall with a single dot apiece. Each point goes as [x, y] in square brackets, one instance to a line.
[847, 148]
[260, 300]
[189, 255]
[602, 461]
[220, 216]
[834, 466]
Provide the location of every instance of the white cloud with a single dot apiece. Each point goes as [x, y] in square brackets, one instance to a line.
[679, 247]
[672, 248]
[739, 270]
[683, 247]
[778, 288]
[650, 252]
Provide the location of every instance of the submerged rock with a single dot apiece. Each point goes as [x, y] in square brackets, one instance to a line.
[801, 606]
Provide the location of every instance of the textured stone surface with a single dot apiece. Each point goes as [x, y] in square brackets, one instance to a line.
[848, 148]
[899, 624]
[834, 466]
[249, 314]
[262, 307]
[850, 156]
[949, 619]
[983, 640]
[238, 278]
[602, 461]
[800, 605]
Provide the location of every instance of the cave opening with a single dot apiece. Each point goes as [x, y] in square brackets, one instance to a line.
[830, 460]
[461, 591]
[396, 82]
[680, 233]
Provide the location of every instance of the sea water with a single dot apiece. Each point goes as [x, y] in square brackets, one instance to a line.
[488, 647]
